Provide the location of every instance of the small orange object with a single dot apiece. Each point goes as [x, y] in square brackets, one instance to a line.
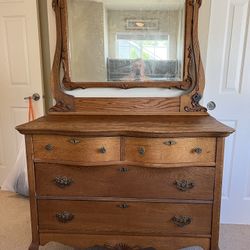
[31, 110]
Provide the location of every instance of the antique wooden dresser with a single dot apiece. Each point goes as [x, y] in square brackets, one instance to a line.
[126, 173]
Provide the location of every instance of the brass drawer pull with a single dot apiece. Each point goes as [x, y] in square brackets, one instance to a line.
[62, 181]
[123, 206]
[141, 151]
[64, 217]
[123, 170]
[103, 150]
[184, 185]
[74, 141]
[182, 221]
[197, 150]
[49, 147]
[170, 143]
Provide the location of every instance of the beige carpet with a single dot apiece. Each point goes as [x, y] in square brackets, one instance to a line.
[15, 228]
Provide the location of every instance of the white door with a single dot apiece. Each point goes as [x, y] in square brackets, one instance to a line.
[20, 74]
[228, 85]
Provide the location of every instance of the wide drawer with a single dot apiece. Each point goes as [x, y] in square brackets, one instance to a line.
[124, 217]
[86, 150]
[125, 181]
[174, 150]
[158, 243]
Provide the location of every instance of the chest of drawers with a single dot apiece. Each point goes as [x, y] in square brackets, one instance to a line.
[125, 182]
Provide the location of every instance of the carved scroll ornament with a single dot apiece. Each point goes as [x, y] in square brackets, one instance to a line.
[195, 68]
[196, 107]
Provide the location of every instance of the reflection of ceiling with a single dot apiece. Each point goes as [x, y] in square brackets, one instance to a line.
[142, 4]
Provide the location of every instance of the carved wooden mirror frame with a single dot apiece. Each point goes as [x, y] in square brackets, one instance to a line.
[186, 104]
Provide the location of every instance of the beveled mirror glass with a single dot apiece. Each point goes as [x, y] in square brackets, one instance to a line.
[126, 40]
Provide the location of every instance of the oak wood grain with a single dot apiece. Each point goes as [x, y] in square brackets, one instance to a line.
[126, 182]
[126, 106]
[126, 84]
[127, 163]
[218, 193]
[120, 199]
[32, 193]
[109, 217]
[145, 126]
[85, 149]
[183, 150]
[193, 57]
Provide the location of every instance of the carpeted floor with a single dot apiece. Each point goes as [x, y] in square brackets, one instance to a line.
[15, 228]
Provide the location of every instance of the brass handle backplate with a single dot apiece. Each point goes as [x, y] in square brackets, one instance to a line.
[74, 141]
[63, 181]
[141, 151]
[170, 143]
[102, 150]
[197, 150]
[49, 147]
[123, 206]
[64, 217]
[184, 185]
[182, 221]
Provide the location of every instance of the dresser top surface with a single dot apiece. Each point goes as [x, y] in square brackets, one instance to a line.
[127, 126]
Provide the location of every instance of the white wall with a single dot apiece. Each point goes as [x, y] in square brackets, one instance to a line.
[86, 33]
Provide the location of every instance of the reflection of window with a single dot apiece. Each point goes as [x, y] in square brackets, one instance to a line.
[146, 47]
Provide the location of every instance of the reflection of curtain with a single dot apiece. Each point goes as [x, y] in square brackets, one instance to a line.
[17, 180]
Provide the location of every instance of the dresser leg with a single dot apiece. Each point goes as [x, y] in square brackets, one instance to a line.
[34, 246]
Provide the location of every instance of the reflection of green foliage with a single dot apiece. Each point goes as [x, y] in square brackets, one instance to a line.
[145, 56]
[133, 53]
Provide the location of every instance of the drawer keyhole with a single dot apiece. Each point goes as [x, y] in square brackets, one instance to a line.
[74, 141]
[123, 206]
[170, 143]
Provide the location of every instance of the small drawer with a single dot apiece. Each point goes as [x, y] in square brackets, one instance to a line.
[76, 149]
[176, 150]
[194, 183]
[125, 217]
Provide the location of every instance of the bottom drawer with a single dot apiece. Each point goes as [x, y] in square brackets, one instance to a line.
[124, 217]
[134, 242]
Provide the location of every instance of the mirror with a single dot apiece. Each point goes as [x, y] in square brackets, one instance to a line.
[126, 40]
